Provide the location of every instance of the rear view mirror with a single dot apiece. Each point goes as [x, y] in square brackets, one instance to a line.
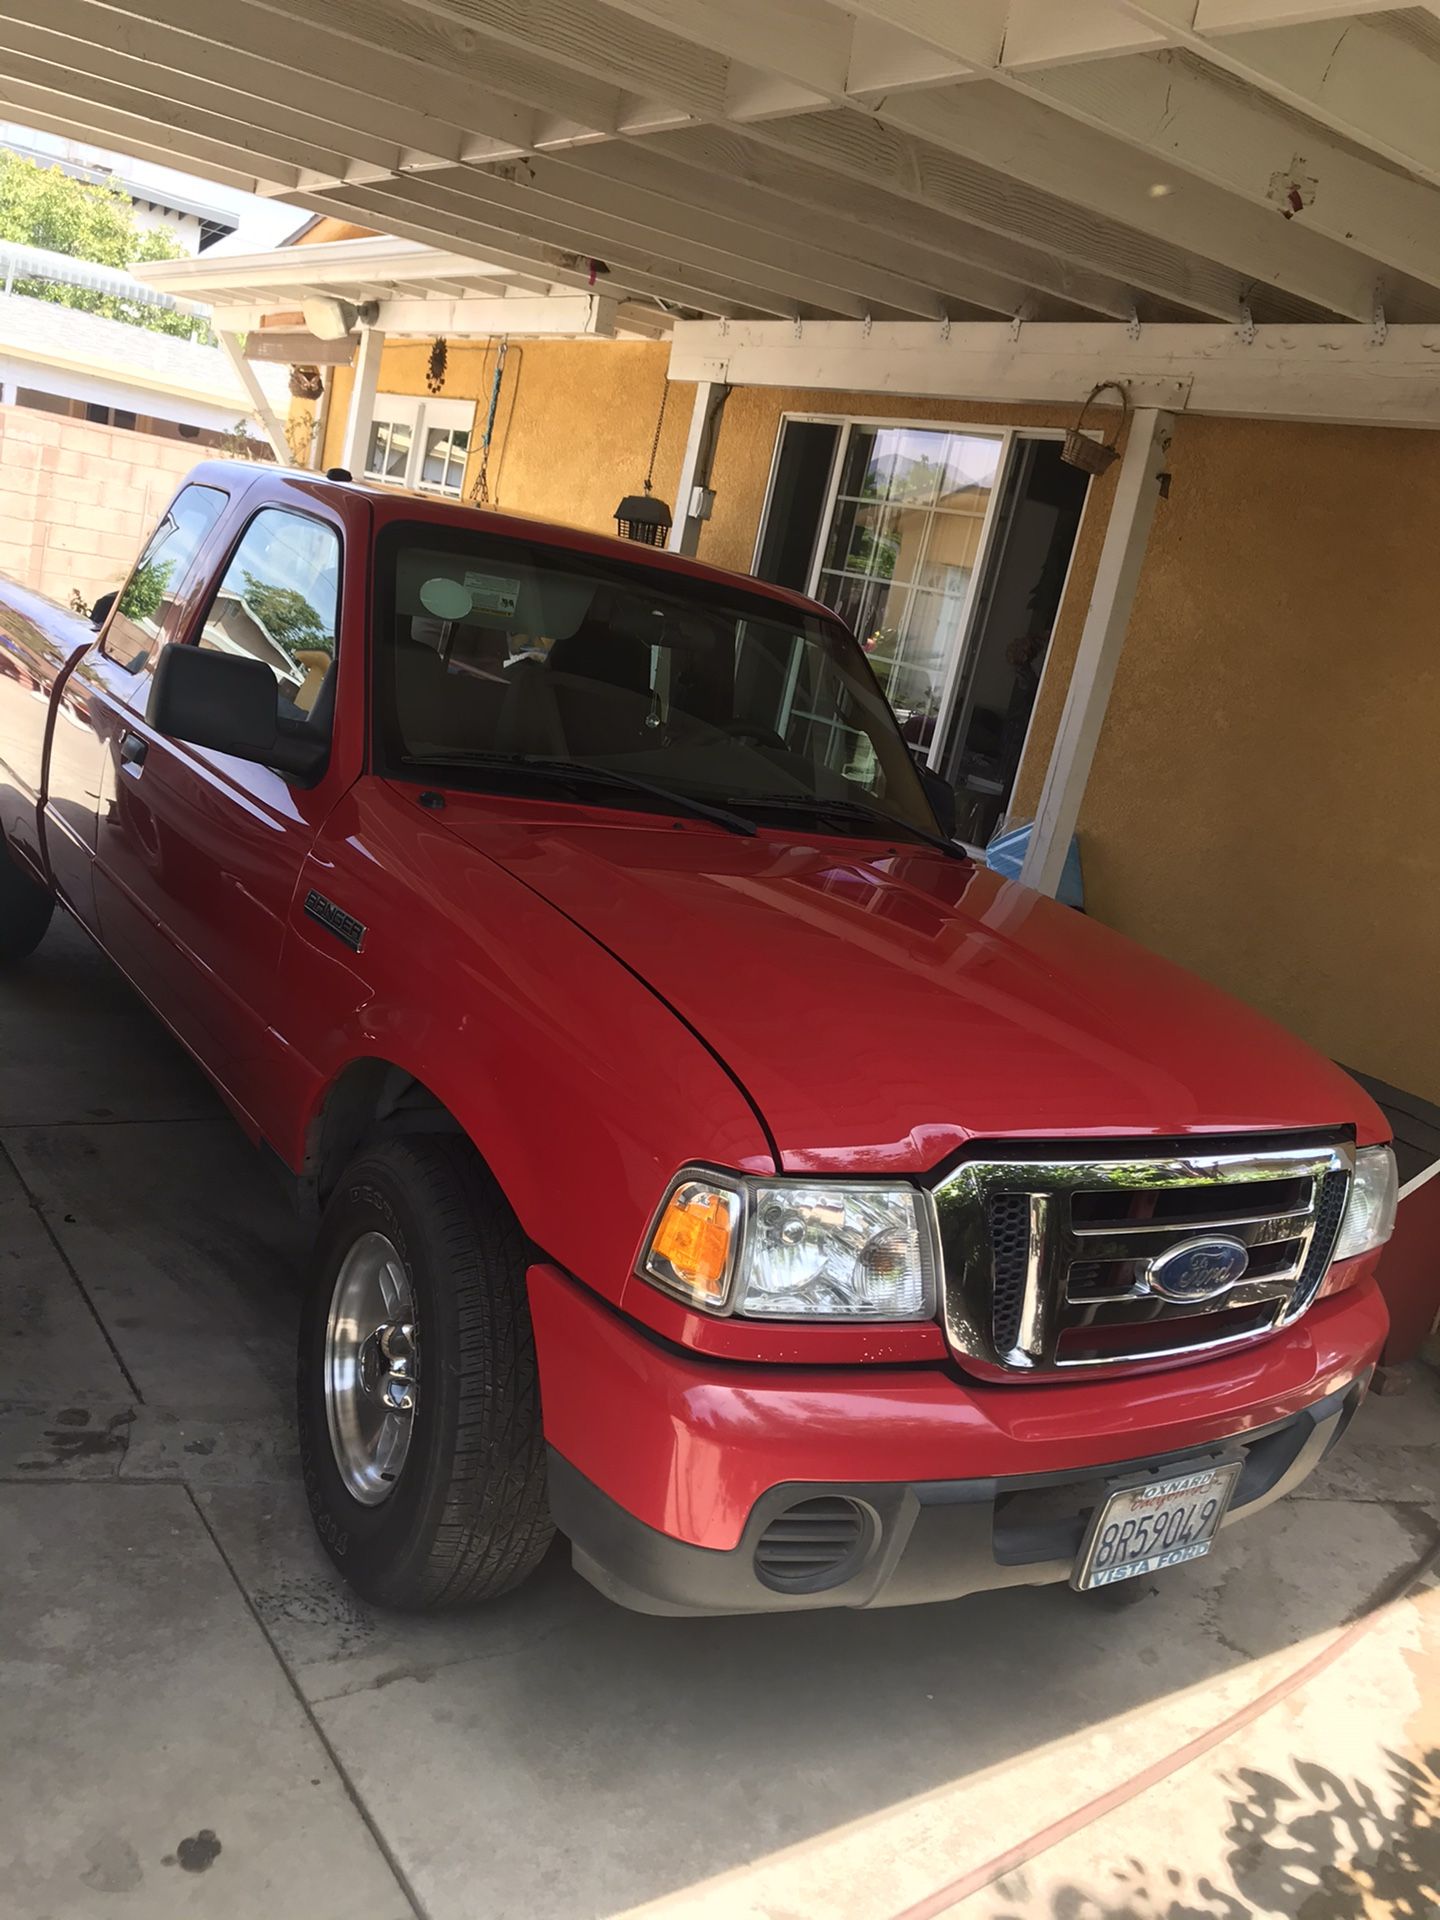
[100, 612]
[231, 704]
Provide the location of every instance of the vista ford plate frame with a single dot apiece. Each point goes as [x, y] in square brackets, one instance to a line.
[1143, 1526]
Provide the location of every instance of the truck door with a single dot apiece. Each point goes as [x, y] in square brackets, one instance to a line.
[100, 699]
[200, 857]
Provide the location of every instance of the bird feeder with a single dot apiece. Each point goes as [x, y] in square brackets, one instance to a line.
[640, 516]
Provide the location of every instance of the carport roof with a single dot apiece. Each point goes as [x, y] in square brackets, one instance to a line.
[1267, 161]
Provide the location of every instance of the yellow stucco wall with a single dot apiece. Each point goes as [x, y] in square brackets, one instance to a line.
[574, 425]
[1265, 801]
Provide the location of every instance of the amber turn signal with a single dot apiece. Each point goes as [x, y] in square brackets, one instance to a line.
[692, 1248]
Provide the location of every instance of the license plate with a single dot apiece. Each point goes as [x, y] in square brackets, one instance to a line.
[1153, 1524]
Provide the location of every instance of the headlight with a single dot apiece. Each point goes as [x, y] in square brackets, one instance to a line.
[796, 1249]
[1370, 1210]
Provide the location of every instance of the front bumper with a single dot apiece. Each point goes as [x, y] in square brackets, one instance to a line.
[933, 1540]
[668, 1469]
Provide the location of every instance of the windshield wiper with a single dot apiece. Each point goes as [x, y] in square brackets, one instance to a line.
[842, 809]
[572, 772]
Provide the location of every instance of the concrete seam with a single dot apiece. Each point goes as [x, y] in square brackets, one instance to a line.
[402, 1879]
[70, 1268]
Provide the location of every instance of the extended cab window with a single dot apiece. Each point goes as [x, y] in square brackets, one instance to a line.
[144, 602]
[503, 659]
[278, 603]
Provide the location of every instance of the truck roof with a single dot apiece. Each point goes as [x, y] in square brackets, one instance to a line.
[407, 503]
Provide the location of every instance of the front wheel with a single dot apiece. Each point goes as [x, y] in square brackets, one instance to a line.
[419, 1404]
[25, 910]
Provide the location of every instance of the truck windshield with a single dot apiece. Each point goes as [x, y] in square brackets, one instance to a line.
[502, 659]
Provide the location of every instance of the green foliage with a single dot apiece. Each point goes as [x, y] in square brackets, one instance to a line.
[287, 617]
[145, 589]
[43, 207]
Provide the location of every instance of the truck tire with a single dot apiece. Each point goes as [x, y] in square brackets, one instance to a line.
[25, 910]
[419, 1297]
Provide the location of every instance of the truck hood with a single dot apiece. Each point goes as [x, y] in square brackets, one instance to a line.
[882, 1006]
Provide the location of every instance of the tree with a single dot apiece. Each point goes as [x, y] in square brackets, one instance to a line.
[44, 207]
[287, 616]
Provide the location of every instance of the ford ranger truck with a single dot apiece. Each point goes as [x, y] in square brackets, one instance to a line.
[711, 1160]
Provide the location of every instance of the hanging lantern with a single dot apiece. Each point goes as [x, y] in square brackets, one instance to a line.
[640, 516]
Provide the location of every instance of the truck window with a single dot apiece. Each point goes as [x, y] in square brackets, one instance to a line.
[278, 603]
[144, 602]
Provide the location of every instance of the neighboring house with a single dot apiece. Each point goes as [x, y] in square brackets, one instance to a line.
[195, 224]
[85, 366]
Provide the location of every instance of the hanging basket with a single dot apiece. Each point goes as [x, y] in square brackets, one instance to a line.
[1095, 456]
[640, 516]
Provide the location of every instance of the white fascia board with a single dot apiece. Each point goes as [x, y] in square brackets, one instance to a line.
[1337, 374]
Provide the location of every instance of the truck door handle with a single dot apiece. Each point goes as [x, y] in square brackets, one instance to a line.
[133, 749]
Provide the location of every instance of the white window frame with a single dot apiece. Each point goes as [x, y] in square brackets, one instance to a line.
[420, 414]
[1008, 436]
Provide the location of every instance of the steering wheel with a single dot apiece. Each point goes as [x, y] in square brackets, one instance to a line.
[749, 731]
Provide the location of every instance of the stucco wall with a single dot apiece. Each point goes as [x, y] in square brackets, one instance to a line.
[1265, 801]
[574, 424]
[77, 500]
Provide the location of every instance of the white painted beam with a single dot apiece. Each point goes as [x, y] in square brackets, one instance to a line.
[1335, 374]
[270, 421]
[1003, 268]
[1029, 142]
[1243, 16]
[1185, 116]
[461, 212]
[864, 150]
[642, 193]
[1045, 33]
[398, 209]
[1349, 75]
[1102, 639]
[360, 416]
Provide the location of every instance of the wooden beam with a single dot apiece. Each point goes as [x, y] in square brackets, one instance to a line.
[560, 315]
[916, 170]
[234, 350]
[1028, 142]
[361, 415]
[1185, 116]
[479, 204]
[401, 213]
[617, 178]
[1004, 268]
[251, 90]
[695, 464]
[1350, 76]
[1335, 374]
[1102, 639]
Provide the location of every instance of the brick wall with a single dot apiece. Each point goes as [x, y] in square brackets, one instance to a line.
[77, 501]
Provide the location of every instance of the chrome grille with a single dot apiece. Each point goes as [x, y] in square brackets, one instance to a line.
[1051, 1263]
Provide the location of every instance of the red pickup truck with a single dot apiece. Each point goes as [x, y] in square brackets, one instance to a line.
[711, 1160]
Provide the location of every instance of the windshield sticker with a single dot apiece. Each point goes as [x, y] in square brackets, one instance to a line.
[492, 592]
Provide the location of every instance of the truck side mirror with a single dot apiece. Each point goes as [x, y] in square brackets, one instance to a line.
[100, 612]
[231, 704]
[940, 794]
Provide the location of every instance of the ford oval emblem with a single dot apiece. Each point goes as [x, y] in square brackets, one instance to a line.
[1197, 1269]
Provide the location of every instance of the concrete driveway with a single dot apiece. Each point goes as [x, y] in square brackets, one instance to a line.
[200, 1720]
